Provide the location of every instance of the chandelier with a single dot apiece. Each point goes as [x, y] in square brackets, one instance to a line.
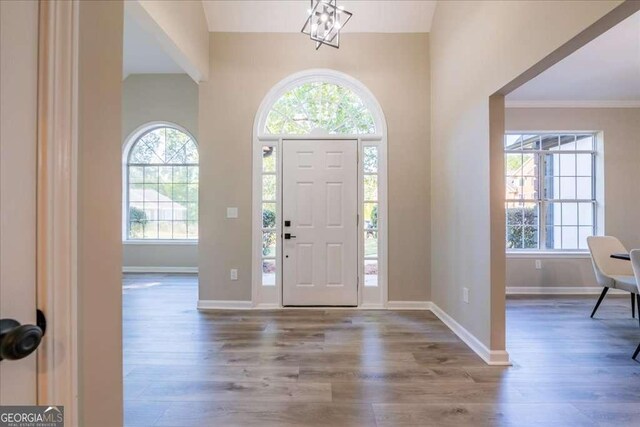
[324, 22]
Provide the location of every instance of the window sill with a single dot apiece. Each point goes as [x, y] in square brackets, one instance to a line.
[161, 242]
[549, 254]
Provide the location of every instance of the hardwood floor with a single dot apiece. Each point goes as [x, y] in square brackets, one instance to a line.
[371, 368]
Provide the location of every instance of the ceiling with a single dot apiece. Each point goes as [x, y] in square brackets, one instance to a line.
[142, 53]
[282, 16]
[605, 70]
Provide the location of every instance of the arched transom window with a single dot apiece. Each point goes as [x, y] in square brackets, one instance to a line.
[162, 185]
[329, 107]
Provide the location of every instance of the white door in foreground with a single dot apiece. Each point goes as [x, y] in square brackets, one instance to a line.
[320, 244]
[18, 133]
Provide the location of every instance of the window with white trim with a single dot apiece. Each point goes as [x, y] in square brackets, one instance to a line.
[325, 108]
[162, 174]
[319, 105]
[370, 212]
[550, 191]
[269, 212]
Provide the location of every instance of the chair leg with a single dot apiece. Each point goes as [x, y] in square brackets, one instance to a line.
[635, 354]
[633, 306]
[604, 292]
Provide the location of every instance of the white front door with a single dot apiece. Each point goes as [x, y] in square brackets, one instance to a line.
[320, 229]
[18, 136]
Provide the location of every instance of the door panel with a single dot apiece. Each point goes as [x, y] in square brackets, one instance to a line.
[18, 136]
[320, 198]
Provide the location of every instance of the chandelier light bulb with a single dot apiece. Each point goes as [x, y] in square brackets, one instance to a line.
[324, 17]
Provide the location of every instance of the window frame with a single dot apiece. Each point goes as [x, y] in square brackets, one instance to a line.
[130, 142]
[541, 201]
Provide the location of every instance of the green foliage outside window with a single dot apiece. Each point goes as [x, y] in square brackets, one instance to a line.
[522, 228]
[269, 219]
[320, 105]
[137, 215]
[374, 217]
[268, 239]
[163, 178]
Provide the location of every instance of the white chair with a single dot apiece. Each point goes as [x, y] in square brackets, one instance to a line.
[610, 272]
[635, 264]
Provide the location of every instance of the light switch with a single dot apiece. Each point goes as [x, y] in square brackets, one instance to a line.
[232, 212]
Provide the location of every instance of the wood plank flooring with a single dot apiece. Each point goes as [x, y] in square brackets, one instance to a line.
[371, 368]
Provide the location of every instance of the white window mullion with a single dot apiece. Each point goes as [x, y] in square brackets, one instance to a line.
[567, 216]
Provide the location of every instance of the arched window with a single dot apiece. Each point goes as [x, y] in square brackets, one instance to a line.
[161, 181]
[330, 107]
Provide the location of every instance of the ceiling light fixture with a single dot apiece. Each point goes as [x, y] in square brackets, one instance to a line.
[324, 22]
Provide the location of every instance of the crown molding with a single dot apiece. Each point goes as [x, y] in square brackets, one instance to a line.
[572, 104]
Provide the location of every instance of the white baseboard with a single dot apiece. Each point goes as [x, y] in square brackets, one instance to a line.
[224, 305]
[163, 269]
[408, 305]
[492, 357]
[267, 306]
[559, 290]
[372, 306]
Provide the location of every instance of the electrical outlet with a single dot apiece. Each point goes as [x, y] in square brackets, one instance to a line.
[234, 274]
[232, 212]
[465, 295]
[538, 264]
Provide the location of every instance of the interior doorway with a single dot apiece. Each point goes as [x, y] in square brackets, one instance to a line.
[570, 126]
[320, 223]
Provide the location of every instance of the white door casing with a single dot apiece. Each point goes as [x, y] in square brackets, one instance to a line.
[38, 135]
[18, 141]
[320, 198]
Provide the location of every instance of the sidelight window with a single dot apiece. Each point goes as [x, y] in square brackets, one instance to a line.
[370, 210]
[269, 214]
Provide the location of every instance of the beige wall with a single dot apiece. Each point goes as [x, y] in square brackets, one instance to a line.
[476, 49]
[99, 277]
[621, 179]
[243, 68]
[177, 257]
[180, 26]
[159, 97]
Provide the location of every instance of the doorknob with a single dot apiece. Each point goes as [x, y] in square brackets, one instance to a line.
[18, 341]
[288, 236]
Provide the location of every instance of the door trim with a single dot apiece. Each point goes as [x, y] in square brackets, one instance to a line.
[271, 296]
[56, 204]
